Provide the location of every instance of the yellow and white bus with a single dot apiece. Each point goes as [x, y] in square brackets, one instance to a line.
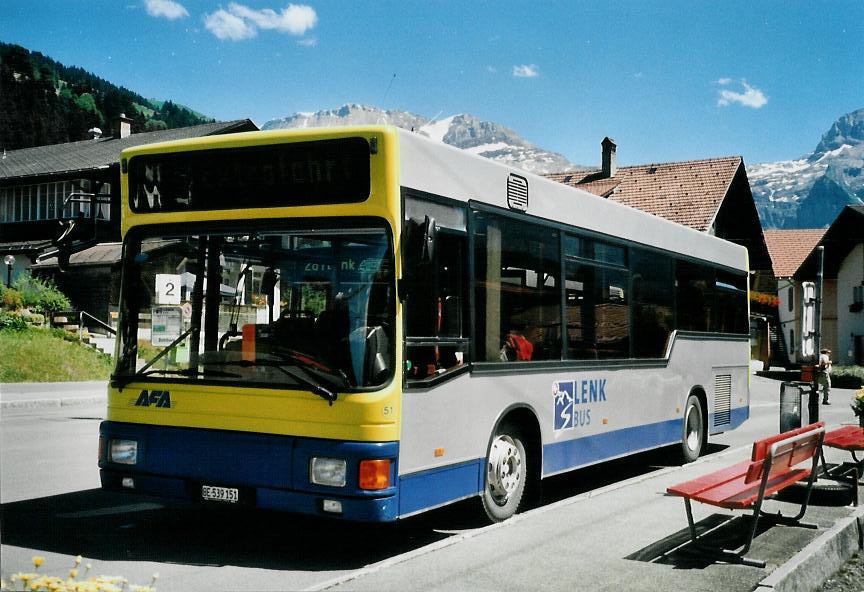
[362, 323]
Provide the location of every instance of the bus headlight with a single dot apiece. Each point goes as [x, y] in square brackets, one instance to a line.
[124, 452]
[327, 471]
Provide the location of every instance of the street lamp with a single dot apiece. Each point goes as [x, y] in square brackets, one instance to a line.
[9, 260]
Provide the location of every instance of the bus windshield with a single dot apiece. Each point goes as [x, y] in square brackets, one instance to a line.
[291, 308]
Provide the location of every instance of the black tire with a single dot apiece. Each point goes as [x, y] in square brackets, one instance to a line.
[506, 475]
[693, 436]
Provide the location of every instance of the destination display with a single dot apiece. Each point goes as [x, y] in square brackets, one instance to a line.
[298, 174]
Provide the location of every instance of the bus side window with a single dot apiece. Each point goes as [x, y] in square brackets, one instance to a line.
[435, 311]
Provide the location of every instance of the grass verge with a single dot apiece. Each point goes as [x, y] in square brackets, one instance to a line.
[43, 355]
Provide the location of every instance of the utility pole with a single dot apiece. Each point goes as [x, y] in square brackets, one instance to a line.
[813, 406]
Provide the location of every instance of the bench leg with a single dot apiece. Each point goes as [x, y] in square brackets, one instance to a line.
[690, 519]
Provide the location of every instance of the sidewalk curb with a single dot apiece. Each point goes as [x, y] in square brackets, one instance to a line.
[814, 564]
[52, 403]
[41, 395]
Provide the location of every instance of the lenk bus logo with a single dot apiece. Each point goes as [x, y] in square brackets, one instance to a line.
[157, 398]
[573, 400]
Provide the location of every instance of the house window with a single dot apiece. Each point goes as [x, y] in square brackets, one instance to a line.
[791, 298]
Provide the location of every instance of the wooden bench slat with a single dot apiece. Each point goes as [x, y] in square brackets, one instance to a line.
[761, 447]
[700, 484]
[738, 495]
[846, 437]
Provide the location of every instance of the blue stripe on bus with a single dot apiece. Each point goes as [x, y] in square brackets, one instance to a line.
[562, 456]
[568, 454]
[427, 489]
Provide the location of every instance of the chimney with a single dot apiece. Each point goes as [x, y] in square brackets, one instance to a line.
[121, 126]
[610, 160]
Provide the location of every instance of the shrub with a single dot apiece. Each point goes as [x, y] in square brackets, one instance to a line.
[40, 294]
[12, 322]
[12, 299]
[847, 377]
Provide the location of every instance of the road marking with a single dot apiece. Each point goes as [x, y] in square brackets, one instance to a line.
[142, 507]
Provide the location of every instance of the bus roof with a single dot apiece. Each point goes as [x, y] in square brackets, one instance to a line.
[429, 166]
[437, 168]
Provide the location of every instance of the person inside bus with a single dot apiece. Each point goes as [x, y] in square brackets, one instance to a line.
[516, 346]
[823, 376]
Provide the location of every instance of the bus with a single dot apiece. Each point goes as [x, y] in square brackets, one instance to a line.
[366, 324]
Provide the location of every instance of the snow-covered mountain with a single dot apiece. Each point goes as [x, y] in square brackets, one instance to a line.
[467, 132]
[809, 192]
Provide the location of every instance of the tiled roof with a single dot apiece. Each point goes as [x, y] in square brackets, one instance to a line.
[103, 254]
[101, 153]
[689, 193]
[789, 248]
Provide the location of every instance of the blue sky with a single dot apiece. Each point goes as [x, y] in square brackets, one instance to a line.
[669, 80]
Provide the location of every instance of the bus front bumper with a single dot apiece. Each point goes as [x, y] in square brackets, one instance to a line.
[238, 468]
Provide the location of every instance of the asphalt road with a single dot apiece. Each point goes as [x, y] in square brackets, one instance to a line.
[51, 506]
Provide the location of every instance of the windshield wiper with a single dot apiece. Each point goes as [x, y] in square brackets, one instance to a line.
[188, 372]
[280, 364]
[124, 380]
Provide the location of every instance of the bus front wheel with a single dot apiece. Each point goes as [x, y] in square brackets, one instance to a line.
[506, 474]
[694, 429]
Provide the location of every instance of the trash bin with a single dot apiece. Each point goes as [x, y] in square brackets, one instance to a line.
[791, 398]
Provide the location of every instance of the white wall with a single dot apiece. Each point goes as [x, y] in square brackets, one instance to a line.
[849, 324]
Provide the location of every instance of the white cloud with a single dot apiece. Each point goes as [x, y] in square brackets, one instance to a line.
[225, 25]
[750, 96]
[526, 71]
[241, 22]
[308, 42]
[166, 8]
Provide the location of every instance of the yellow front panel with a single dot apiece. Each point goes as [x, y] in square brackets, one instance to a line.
[367, 417]
[358, 416]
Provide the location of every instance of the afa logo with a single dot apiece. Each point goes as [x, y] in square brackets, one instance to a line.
[154, 398]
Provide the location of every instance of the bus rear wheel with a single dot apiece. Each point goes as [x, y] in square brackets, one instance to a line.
[506, 474]
[694, 430]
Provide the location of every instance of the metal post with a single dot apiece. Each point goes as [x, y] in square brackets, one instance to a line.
[813, 406]
[9, 260]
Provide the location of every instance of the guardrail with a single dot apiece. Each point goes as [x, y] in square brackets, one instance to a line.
[82, 314]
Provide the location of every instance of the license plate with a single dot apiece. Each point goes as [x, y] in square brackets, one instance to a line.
[229, 495]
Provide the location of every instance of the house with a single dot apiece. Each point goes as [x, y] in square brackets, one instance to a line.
[61, 200]
[843, 286]
[788, 249]
[711, 195]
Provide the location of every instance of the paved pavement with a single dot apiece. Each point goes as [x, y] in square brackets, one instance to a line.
[52, 394]
[627, 536]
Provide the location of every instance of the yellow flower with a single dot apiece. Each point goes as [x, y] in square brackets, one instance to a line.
[38, 560]
[78, 559]
[73, 573]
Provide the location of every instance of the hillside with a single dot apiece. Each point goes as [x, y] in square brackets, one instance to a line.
[45, 102]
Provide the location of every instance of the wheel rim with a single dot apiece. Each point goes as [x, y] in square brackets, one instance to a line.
[504, 469]
[693, 434]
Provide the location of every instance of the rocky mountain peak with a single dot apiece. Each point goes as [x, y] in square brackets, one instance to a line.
[847, 130]
[465, 131]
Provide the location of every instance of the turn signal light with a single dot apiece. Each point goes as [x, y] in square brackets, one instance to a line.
[374, 474]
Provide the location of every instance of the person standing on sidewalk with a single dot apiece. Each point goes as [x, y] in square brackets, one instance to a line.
[823, 376]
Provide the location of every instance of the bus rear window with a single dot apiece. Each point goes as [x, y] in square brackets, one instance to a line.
[298, 174]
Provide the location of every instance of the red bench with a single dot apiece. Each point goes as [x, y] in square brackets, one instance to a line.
[851, 439]
[773, 466]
